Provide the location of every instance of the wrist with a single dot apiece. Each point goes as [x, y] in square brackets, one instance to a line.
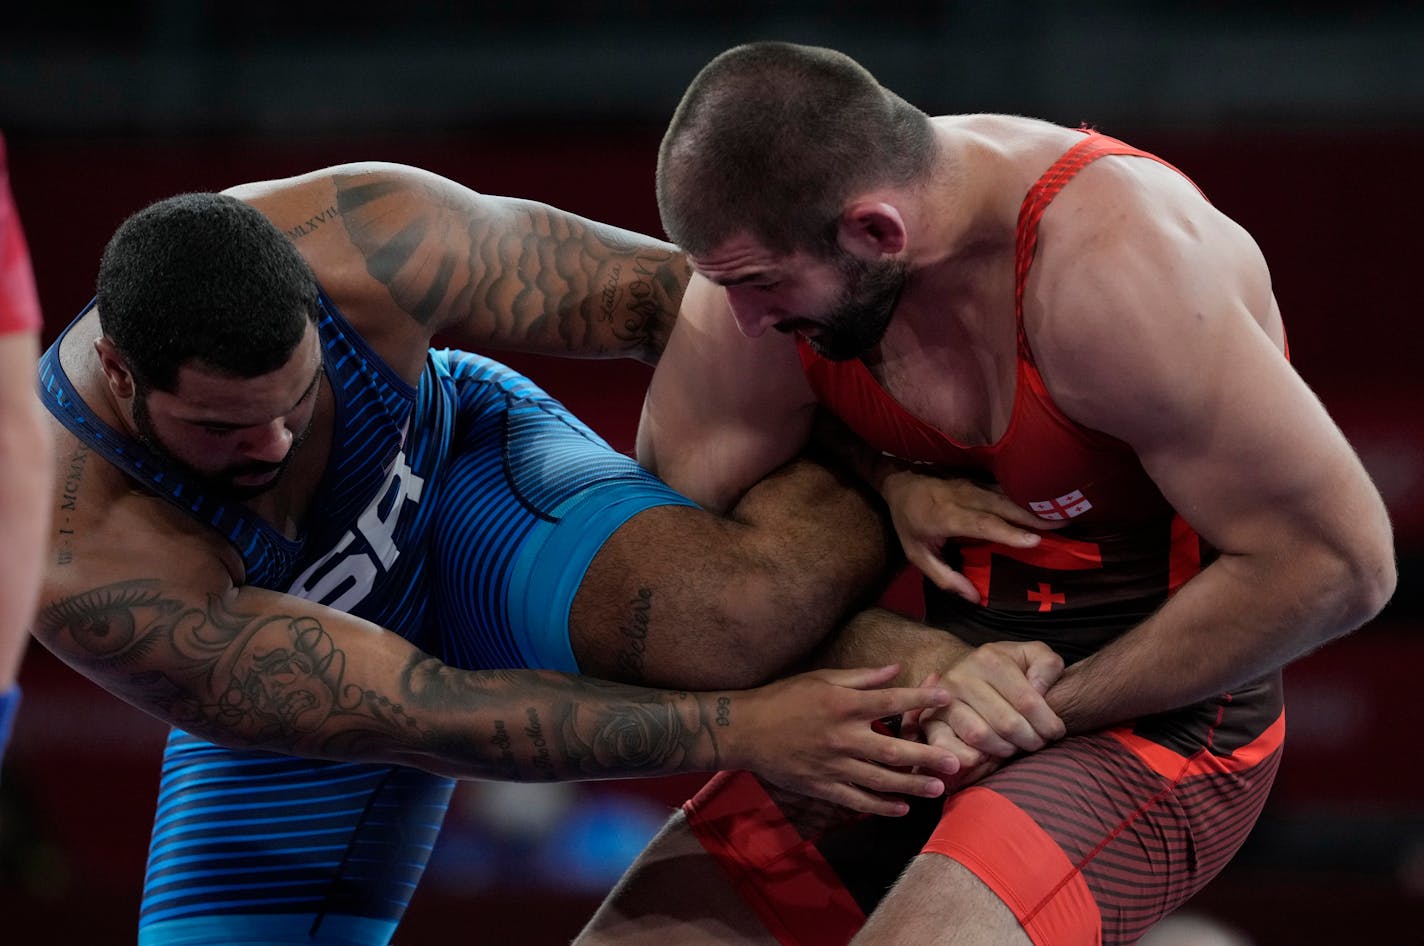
[725, 743]
[713, 744]
[880, 471]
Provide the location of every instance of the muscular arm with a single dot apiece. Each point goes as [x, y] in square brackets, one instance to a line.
[256, 669]
[1165, 334]
[408, 254]
[677, 597]
[141, 600]
[722, 410]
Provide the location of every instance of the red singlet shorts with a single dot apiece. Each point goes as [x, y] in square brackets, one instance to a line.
[1089, 841]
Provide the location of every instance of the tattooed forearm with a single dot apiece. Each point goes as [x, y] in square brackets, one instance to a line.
[575, 727]
[514, 272]
[285, 682]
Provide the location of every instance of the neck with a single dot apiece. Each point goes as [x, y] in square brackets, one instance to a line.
[961, 215]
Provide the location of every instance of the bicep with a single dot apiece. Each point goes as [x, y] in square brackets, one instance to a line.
[1252, 460]
[540, 279]
[722, 410]
[1181, 360]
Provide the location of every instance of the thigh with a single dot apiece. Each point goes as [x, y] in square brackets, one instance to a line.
[1086, 842]
[939, 902]
[674, 893]
[528, 498]
[1094, 839]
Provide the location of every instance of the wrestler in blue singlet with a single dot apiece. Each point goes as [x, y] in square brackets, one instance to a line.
[462, 515]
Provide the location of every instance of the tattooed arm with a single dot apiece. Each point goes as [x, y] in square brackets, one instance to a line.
[251, 668]
[408, 254]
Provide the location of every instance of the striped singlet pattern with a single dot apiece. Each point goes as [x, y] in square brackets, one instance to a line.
[460, 514]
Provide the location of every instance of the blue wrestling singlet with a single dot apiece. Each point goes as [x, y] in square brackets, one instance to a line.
[462, 515]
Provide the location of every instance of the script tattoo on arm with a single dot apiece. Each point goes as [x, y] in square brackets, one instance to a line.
[520, 273]
[283, 682]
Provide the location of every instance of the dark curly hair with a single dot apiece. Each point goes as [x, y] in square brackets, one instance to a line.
[204, 278]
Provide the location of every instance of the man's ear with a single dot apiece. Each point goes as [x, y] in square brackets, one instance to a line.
[116, 370]
[871, 229]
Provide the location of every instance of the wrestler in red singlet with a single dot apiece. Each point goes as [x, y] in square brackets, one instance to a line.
[1095, 836]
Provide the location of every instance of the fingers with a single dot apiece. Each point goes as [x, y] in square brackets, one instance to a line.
[910, 719]
[868, 698]
[849, 796]
[860, 678]
[1043, 666]
[941, 735]
[1004, 525]
[997, 503]
[998, 708]
[1006, 718]
[938, 571]
[893, 701]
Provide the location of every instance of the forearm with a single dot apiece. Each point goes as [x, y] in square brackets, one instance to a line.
[1240, 619]
[877, 637]
[525, 725]
[265, 671]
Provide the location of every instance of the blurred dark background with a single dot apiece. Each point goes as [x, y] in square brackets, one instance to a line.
[1304, 121]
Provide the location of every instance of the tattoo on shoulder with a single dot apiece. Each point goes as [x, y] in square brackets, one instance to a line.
[311, 224]
[525, 274]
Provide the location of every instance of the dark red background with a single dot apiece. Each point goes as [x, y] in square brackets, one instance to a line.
[1338, 857]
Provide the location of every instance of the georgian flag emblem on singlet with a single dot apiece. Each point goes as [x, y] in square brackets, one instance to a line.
[1068, 506]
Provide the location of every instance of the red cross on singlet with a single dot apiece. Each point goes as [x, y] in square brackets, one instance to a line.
[1046, 596]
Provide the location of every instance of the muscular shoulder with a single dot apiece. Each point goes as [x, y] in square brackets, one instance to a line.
[1137, 278]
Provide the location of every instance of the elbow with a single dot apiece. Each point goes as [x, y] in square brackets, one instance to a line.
[1376, 580]
[1363, 583]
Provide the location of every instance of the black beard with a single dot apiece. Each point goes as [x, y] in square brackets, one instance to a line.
[220, 483]
[859, 319]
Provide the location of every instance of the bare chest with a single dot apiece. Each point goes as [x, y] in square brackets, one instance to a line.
[952, 362]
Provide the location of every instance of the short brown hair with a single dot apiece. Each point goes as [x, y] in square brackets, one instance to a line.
[773, 138]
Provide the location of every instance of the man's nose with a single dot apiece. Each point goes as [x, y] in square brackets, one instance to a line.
[752, 318]
[269, 443]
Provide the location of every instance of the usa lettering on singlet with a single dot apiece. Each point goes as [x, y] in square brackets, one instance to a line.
[345, 576]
